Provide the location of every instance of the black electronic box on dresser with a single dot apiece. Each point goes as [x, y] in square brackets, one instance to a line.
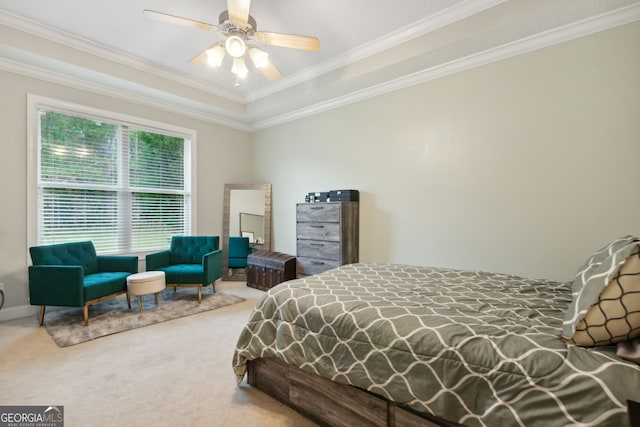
[327, 235]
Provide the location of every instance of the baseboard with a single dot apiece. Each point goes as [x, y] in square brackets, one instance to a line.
[18, 312]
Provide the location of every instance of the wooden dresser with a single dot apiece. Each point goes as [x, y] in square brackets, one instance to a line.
[327, 236]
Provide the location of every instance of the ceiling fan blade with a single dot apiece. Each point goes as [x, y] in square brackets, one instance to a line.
[239, 11]
[178, 20]
[271, 72]
[288, 40]
[200, 60]
[203, 58]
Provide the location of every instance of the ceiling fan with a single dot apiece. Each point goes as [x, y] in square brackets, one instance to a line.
[240, 30]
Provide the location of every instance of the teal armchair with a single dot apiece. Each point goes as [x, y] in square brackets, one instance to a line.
[190, 261]
[73, 275]
[239, 249]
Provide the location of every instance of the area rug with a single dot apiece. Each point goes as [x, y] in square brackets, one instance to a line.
[66, 326]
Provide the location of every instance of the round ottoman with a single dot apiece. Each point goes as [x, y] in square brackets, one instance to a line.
[145, 283]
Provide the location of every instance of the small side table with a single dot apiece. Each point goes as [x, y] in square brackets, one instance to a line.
[145, 283]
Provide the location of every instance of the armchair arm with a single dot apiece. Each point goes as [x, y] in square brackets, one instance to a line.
[212, 264]
[118, 263]
[157, 260]
[61, 285]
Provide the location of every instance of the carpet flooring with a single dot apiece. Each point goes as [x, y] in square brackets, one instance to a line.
[66, 326]
[175, 373]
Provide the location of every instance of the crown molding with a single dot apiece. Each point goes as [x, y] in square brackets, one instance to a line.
[568, 32]
[183, 106]
[395, 38]
[43, 31]
[431, 23]
[178, 106]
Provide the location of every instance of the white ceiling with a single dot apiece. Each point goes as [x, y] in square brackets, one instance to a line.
[367, 47]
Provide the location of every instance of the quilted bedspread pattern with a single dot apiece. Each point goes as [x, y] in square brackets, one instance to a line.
[480, 349]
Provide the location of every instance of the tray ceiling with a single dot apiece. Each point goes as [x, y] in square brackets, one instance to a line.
[367, 47]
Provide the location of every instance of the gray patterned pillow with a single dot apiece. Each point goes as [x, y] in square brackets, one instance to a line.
[606, 296]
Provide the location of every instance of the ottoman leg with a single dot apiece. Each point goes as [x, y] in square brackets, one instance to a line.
[140, 303]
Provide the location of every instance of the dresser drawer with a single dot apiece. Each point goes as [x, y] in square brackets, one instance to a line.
[318, 231]
[325, 212]
[308, 266]
[319, 249]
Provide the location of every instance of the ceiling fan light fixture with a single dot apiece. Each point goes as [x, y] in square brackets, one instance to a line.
[235, 46]
[215, 55]
[259, 57]
[239, 68]
[238, 26]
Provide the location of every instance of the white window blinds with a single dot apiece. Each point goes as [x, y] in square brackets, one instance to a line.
[125, 188]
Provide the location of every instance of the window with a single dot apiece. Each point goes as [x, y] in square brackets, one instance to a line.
[122, 184]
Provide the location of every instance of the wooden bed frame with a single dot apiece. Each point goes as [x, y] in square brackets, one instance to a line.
[329, 403]
[333, 404]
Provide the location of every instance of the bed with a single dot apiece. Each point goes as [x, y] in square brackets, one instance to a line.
[437, 347]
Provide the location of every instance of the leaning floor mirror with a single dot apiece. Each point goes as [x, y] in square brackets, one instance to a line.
[247, 213]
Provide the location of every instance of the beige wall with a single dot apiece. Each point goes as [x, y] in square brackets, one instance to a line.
[522, 166]
[216, 145]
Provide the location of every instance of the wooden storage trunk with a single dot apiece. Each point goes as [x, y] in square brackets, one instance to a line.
[265, 269]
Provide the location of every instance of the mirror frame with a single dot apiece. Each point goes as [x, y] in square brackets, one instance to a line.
[225, 225]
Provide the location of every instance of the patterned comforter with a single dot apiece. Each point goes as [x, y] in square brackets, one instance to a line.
[480, 349]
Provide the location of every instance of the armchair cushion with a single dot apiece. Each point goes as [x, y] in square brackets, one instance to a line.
[184, 273]
[77, 253]
[192, 249]
[100, 284]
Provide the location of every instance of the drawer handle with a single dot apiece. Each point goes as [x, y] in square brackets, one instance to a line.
[316, 226]
[317, 262]
[317, 207]
[317, 244]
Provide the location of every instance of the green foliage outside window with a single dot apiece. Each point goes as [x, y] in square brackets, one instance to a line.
[122, 188]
